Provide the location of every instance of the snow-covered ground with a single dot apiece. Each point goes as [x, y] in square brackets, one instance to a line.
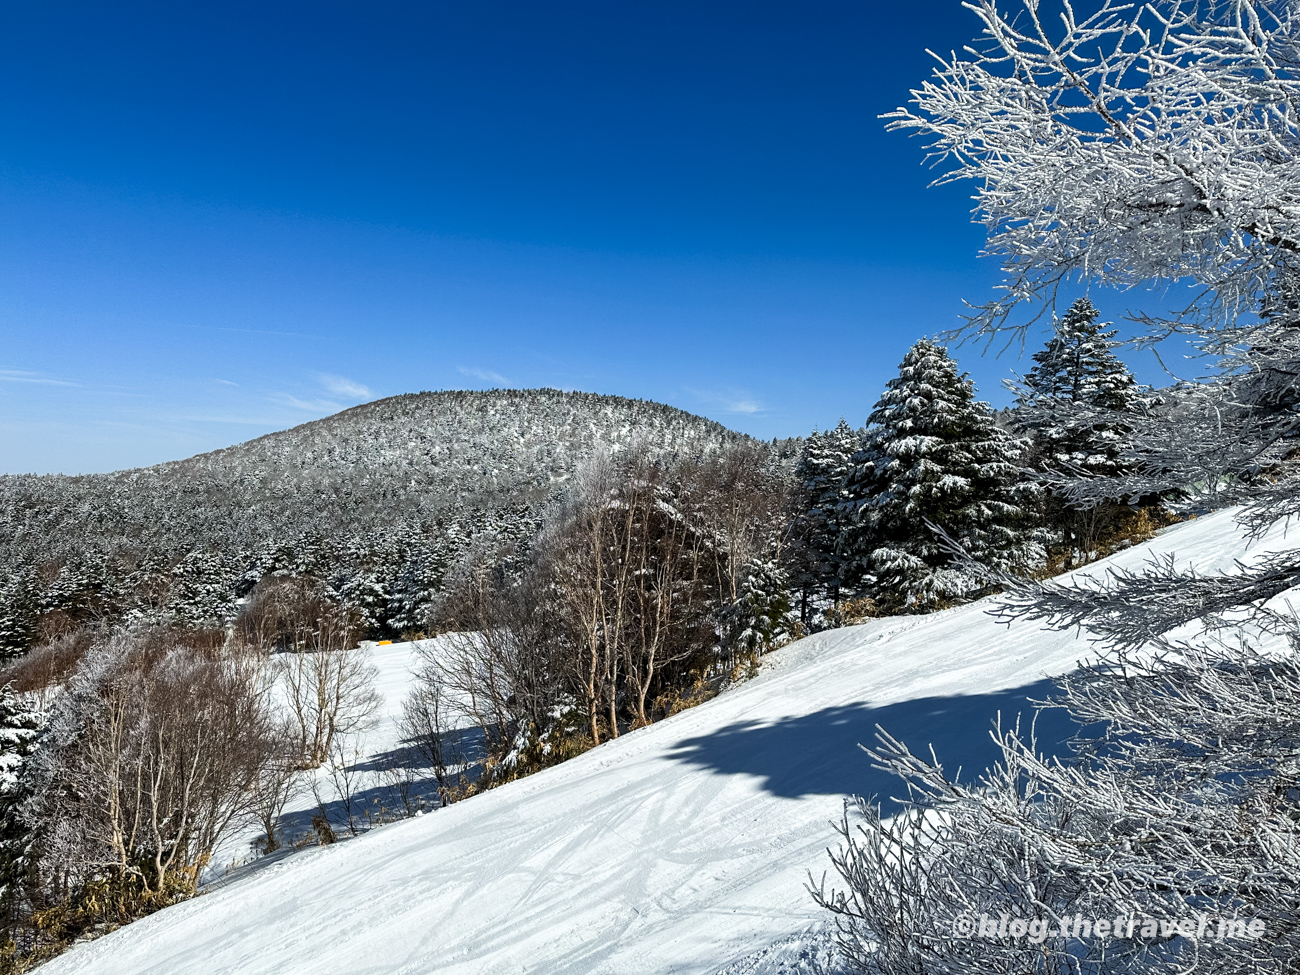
[394, 663]
[679, 848]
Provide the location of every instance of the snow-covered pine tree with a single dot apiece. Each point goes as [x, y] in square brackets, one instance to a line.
[416, 584]
[20, 728]
[202, 590]
[364, 591]
[18, 611]
[822, 472]
[936, 456]
[760, 618]
[1077, 406]
[1078, 367]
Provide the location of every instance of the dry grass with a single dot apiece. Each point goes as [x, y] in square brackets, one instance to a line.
[97, 909]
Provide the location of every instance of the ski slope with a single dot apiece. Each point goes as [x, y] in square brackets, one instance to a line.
[679, 848]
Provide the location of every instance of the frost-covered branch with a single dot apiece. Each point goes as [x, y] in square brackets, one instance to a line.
[1186, 806]
[1141, 145]
[1126, 608]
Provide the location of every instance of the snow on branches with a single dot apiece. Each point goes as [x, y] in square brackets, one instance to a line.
[1140, 144]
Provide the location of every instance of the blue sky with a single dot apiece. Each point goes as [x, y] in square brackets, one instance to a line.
[221, 220]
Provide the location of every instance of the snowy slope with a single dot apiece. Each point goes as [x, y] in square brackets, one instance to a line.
[394, 663]
[683, 847]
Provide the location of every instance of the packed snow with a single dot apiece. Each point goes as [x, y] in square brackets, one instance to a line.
[684, 847]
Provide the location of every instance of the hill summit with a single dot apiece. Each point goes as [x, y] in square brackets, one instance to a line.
[382, 497]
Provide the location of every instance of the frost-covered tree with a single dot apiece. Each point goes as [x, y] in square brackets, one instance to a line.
[1186, 807]
[1076, 407]
[411, 598]
[822, 476]
[18, 611]
[20, 725]
[83, 590]
[1130, 145]
[202, 590]
[760, 618]
[20, 729]
[1077, 367]
[936, 457]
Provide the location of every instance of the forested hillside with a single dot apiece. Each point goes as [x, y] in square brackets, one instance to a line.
[380, 499]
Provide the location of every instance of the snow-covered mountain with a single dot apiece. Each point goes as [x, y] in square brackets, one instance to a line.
[383, 497]
[407, 456]
[683, 847]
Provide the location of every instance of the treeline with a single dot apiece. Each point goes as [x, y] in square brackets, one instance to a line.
[391, 574]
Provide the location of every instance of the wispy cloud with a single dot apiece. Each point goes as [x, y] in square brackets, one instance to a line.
[483, 375]
[310, 405]
[225, 382]
[342, 386]
[19, 376]
[730, 400]
[250, 331]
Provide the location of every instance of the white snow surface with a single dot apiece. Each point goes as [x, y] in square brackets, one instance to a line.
[679, 848]
[394, 663]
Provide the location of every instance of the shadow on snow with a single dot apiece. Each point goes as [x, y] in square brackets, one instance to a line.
[818, 753]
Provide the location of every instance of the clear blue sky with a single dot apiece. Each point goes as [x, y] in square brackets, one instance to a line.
[219, 220]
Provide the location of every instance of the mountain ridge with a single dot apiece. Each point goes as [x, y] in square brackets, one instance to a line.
[363, 408]
[380, 499]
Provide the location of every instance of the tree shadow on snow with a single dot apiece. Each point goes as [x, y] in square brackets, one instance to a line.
[818, 753]
[464, 746]
[377, 788]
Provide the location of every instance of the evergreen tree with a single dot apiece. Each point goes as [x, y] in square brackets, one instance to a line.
[20, 728]
[84, 590]
[1078, 369]
[935, 455]
[822, 473]
[415, 587]
[202, 590]
[1076, 406]
[18, 612]
[760, 617]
